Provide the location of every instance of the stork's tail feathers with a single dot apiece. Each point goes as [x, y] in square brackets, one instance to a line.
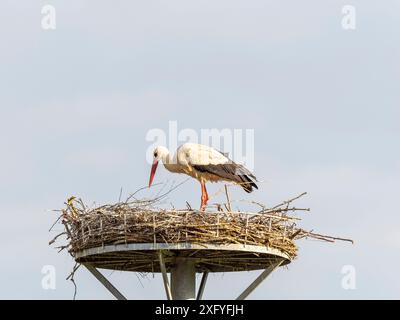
[248, 185]
[245, 178]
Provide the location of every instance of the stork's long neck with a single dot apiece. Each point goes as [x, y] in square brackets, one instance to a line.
[166, 158]
[169, 163]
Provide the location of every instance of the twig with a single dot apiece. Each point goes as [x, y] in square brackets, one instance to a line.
[120, 195]
[290, 200]
[71, 277]
[58, 219]
[227, 199]
[56, 237]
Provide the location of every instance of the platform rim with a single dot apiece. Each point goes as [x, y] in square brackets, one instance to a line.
[181, 246]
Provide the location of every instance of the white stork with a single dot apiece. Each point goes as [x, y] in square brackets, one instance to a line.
[204, 164]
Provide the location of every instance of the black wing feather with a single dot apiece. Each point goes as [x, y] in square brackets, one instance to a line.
[231, 171]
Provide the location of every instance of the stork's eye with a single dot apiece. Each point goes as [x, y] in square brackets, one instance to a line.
[155, 154]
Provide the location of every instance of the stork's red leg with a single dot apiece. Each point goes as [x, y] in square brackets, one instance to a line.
[204, 196]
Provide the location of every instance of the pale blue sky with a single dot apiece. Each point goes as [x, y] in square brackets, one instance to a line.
[76, 104]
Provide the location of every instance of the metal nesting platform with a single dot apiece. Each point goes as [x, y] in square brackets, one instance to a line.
[183, 261]
[144, 257]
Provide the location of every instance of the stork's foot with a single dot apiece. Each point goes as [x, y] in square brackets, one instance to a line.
[204, 201]
[203, 207]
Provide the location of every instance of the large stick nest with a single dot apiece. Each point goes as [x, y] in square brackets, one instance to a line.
[136, 221]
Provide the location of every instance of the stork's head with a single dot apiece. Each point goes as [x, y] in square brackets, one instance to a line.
[159, 153]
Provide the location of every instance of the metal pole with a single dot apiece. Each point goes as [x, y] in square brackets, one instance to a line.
[183, 280]
[260, 279]
[202, 286]
[165, 276]
[103, 280]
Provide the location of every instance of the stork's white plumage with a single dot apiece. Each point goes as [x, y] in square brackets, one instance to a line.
[204, 164]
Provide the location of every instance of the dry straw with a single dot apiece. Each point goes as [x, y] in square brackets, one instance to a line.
[141, 221]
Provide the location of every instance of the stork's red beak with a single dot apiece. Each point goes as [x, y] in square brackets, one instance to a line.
[153, 172]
